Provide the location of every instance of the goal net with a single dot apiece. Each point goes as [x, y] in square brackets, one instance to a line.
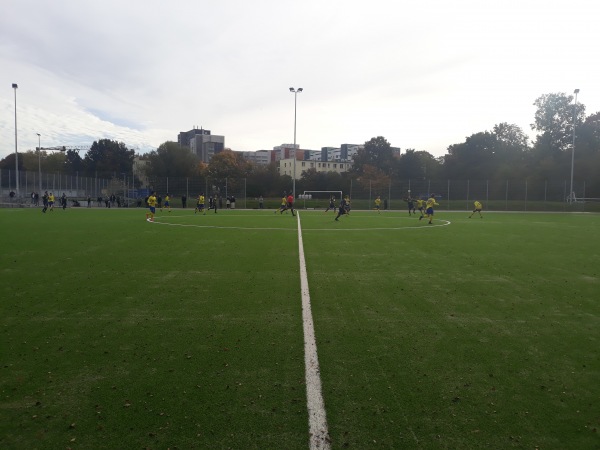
[319, 199]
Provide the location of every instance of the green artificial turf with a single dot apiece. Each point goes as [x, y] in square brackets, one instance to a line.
[187, 332]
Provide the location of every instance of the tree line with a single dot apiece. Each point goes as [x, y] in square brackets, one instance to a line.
[502, 153]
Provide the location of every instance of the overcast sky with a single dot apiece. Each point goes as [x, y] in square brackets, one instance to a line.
[425, 74]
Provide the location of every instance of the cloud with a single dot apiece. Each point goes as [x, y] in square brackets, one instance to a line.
[424, 75]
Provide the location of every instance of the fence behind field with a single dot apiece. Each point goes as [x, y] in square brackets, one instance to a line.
[496, 195]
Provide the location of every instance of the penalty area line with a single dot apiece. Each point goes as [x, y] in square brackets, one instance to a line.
[317, 418]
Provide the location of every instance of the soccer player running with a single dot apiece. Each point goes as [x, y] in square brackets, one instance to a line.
[290, 203]
[200, 204]
[167, 202]
[420, 204]
[343, 208]
[151, 207]
[430, 204]
[378, 204]
[478, 208]
[51, 201]
[283, 205]
[45, 201]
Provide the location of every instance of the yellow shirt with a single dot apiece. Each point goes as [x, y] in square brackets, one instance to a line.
[431, 202]
[152, 200]
[201, 199]
[51, 198]
[478, 205]
[377, 201]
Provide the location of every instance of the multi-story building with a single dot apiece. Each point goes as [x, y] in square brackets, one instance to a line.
[287, 167]
[202, 143]
[261, 157]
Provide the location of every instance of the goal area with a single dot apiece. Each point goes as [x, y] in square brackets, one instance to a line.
[319, 199]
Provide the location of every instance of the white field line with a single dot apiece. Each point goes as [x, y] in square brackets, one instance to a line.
[317, 418]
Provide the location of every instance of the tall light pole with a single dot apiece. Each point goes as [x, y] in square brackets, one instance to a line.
[295, 91]
[571, 193]
[14, 85]
[40, 160]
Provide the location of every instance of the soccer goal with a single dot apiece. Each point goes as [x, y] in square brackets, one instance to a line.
[319, 199]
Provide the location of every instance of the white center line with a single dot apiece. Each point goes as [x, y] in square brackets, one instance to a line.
[317, 418]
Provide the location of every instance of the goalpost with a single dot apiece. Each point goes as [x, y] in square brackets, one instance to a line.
[315, 196]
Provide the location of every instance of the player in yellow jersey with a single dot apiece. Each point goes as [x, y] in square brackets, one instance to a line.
[51, 201]
[151, 207]
[167, 202]
[283, 206]
[347, 205]
[430, 204]
[200, 204]
[478, 208]
[378, 204]
[420, 204]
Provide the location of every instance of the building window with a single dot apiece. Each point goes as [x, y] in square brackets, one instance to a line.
[303, 164]
[335, 166]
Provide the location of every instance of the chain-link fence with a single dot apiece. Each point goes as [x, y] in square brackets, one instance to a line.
[496, 195]
[31, 186]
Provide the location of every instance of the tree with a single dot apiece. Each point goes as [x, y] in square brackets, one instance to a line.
[511, 138]
[554, 119]
[587, 154]
[266, 181]
[376, 153]
[374, 179]
[107, 156]
[172, 160]
[73, 162]
[472, 159]
[8, 162]
[228, 164]
[320, 181]
[418, 164]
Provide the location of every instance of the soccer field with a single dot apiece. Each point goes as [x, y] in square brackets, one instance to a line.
[188, 332]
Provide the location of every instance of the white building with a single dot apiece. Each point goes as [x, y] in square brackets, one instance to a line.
[286, 167]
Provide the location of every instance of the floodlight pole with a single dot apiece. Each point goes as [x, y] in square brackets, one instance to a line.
[295, 91]
[571, 194]
[15, 86]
